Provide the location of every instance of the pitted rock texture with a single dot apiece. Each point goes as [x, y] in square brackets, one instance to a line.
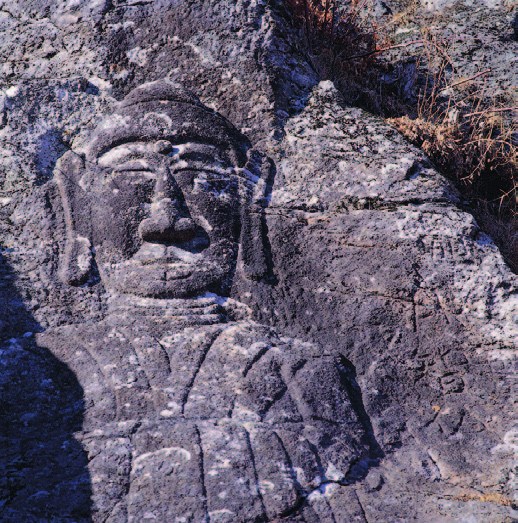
[403, 285]
[227, 52]
[382, 388]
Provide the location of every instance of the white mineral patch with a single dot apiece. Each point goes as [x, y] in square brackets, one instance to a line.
[138, 56]
[327, 85]
[323, 492]
[174, 407]
[196, 397]
[266, 486]
[201, 220]
[436, 5]
[511, 439]
[183, 255]
[509, 449]
[117, 154]
[122, 75]
[124, 25]
[150, 251]
[154, 119]
[243, 414]
[84, 254]
[205, 55]
[12, 91]
[172, 454]
[300, 475]
[166, 413]
[101, 84]
[224, 463]
[333, 474]
[222, 516]
[500, 354]
[114, 121]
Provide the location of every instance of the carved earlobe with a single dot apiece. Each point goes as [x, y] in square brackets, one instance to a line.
[76, 263]
[254, 259]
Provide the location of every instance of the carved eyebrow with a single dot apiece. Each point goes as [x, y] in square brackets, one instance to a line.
[187, 149]
[123, 152]
[136, 164]
[217, 171]
[216, 179]
[197, 155]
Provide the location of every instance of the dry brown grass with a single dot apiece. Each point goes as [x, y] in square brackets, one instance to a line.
[471, 138]
[342, 45]
[336, 37]
[493, 497]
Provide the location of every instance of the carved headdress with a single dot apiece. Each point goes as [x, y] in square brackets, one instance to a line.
[155, 111]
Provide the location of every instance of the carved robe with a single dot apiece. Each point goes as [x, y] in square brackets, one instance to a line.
[207, 418]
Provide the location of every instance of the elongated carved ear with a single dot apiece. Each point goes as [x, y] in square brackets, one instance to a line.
[254, 260]
[76, 262]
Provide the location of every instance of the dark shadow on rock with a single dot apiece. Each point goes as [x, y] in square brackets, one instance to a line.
[43, 469]
[270, 277]
[360, 470]
[50, 148]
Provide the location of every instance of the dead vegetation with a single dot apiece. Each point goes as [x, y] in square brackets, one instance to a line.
[342, 46]
[470, 136]
[472, 139]
[492, 497]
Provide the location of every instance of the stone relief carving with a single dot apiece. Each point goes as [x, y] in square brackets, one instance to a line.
[367, 250]
[162, 183]
[192, 410]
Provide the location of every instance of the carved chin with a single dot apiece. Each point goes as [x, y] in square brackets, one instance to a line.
[164, 280]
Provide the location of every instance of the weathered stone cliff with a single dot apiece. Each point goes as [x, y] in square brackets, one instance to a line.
[355, 359]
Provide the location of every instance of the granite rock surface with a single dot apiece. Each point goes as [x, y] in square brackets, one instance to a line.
[350, 357]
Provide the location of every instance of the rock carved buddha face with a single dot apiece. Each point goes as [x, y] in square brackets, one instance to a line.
[158, 196]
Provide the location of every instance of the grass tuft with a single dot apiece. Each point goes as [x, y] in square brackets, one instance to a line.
[470, 136]
[341, 46]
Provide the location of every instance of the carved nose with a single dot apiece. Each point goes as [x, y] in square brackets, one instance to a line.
[168, 222]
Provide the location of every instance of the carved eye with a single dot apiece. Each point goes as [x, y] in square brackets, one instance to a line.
[221, 186]
[135, 166]
[132, 186]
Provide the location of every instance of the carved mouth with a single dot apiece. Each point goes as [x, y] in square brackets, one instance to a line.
[170, 256]
[162, 269]
[167, 262]
[157, 269]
